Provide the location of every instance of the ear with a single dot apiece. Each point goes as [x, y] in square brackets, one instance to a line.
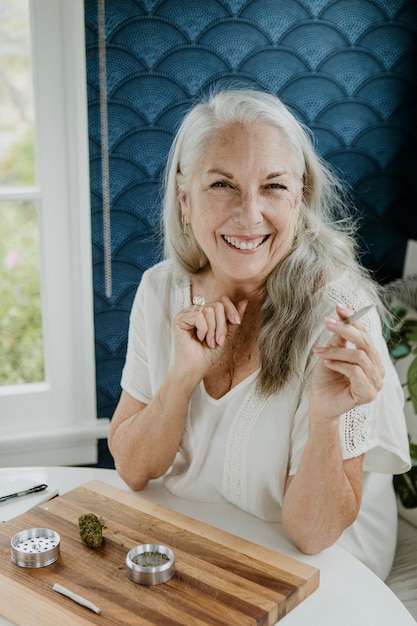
[183, 200]
[185, 214]
[182, 197]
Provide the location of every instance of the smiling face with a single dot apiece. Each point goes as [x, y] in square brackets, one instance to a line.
[243, 203]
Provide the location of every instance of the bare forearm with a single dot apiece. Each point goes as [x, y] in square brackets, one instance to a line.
[144, 444]
[323, 498]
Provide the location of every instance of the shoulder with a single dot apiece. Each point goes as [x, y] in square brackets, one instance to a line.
[351, 291]
[355, 292]
[159, 271]
[162, 284]
[162, 274]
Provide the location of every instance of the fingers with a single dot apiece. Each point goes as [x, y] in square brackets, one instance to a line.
[365, 373]
[222, 318]
[359, 361]
[215, 321]
[343, 312]
[351, 343]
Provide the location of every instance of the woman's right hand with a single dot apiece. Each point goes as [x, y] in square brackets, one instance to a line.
[144, 438]
[201, 337]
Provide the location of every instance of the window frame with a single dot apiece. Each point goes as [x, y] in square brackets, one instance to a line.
[55, 422]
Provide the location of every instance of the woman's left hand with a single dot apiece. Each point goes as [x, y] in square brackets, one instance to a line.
[345, 376]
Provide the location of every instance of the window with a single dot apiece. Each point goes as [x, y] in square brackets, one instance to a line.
[47, 402]
[20, 302]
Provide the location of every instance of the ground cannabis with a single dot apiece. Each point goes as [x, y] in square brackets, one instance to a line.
[150, 559]
[91, 529]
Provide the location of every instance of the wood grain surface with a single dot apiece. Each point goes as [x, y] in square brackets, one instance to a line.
[220, 579]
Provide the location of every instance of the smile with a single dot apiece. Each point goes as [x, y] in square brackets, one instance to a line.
[241, 244]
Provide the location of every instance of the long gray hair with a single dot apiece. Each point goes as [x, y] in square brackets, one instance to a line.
[324, 243]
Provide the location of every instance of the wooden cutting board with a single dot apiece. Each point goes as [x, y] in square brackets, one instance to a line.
[220, 579]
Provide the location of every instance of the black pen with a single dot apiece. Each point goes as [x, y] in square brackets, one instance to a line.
[25, 492]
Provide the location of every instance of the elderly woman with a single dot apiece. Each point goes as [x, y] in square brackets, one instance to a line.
[242, 381]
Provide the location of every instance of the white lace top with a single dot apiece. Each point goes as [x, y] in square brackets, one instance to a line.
[241, 447]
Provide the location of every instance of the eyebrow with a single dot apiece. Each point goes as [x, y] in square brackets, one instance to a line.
[228, 175]
[219, 172]
[277, 174]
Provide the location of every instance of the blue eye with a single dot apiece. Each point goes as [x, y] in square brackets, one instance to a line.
[221, 183]
[276, 186]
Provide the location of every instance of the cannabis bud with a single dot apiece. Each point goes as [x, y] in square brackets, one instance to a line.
[91, 529]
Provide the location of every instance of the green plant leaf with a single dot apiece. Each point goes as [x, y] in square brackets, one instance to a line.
[412, 383]
[409, 331]
[400, 350]
[413, 451]
[399, 311]
[405, 486]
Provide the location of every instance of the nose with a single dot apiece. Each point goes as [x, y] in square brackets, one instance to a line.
[249, 211]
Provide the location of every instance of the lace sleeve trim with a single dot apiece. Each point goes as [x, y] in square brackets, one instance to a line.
[354, 424]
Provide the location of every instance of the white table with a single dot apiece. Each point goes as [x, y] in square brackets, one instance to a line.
[349, 593]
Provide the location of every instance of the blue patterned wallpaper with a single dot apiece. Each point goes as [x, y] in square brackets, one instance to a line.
[347, 69]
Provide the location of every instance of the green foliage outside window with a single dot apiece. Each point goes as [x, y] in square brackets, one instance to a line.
[21, 343]
[17, 168]
[401, 337]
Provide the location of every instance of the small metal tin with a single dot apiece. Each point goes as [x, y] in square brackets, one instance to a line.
[150, 564]
[35, 547]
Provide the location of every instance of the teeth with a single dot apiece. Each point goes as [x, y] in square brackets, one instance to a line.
[244, 245]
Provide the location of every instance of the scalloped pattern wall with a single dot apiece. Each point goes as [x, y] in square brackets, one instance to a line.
[347, 69]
